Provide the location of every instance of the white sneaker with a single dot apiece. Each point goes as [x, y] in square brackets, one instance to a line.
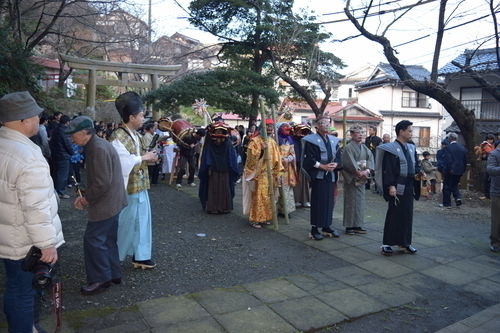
[238, 181]
[307, 204]
[178, 185]
[192, 184]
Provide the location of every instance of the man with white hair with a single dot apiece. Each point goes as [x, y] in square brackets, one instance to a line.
[455, 162]
[357, 163]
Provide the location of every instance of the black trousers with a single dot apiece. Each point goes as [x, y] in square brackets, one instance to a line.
[191, 164]
[154, 173]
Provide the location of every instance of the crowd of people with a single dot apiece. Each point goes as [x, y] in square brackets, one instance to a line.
[281, 166]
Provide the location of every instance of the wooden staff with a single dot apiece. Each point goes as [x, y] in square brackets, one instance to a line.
[268, 165]
[282, 197]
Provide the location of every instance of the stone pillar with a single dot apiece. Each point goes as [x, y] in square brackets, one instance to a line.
[91, 89]
[155, 85]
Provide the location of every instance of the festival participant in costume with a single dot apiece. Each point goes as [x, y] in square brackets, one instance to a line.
[321, 155]
[256, 198]
[301, 191]
[289, 177]
[135, 225]
[397, 173]
[218, 170]
[357, 163]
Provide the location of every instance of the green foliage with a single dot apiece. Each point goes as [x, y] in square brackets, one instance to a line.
[17, 70]
[267, 36]
[104, 93]
[226, 89]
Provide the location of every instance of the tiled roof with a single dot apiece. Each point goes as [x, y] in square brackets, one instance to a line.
[48, 63]
[482, 60]
[418, 72]
[385, 73]
[483, 127]
[410, 114]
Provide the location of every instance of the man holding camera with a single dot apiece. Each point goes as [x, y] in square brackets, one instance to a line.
[28, 204]
[105, 197]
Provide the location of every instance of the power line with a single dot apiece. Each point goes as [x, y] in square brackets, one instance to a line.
[382, 12]
[362, 8]
[446, 29]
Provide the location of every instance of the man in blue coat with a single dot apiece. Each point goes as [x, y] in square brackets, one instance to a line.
[455, 162]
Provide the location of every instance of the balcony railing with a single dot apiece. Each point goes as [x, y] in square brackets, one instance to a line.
[484, 109]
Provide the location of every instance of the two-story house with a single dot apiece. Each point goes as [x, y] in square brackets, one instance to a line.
[386, 95]
[472, 95]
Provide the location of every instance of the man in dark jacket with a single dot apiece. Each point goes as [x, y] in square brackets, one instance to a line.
[493, 169]
[372, 141]
[455, 162]
[105, 197]
[61, 151]
[187, 151]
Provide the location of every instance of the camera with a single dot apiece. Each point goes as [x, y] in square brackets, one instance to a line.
[43, 274]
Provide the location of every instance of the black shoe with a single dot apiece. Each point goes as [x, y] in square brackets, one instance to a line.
[329, 232]
[349, 231]
[495, 249]
[116, 281]
[386, 250]
[144, 264]
[359, 230]
[93, 288]
[458, 202]
[376, 192]
[317, 236]
[408, 249]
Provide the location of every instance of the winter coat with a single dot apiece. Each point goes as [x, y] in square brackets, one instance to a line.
[493, 170]
[60, 144]
[28, 201]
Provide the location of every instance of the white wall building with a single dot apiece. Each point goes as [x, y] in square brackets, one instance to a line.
[385, 94]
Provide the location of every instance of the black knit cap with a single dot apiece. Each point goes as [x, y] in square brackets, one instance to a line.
[128, 104]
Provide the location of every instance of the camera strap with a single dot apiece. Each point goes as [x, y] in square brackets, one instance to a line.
[56, 302]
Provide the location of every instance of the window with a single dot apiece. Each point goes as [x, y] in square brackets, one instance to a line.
[350, 93]
[413, 99]
[421, 136]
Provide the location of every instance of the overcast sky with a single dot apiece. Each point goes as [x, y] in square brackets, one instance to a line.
[169, 18]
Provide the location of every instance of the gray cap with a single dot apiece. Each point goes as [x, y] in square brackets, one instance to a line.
[18, 106]
[78, 124]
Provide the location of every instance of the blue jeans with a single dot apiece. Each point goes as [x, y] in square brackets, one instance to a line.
[18, 298]
[62, 174]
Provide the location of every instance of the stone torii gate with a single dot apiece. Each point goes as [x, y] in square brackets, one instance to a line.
[123, 69]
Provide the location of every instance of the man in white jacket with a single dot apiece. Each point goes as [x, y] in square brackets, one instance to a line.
[28, 204]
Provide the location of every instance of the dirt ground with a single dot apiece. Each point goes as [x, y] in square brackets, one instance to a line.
[232, 253]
